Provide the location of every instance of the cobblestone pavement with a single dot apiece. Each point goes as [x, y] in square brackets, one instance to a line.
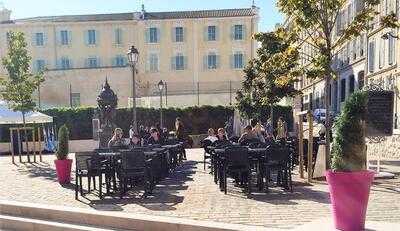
[190, 193]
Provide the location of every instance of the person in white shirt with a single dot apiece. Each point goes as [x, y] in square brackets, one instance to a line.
[131, 132]
[211, 135]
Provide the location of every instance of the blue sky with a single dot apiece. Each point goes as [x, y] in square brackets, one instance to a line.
[30, 8]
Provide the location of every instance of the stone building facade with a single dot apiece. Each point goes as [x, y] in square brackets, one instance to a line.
[79, 51]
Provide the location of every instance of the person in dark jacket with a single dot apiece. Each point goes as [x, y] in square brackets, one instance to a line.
[155, 137]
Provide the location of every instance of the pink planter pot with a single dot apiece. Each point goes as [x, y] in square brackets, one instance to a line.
[349, 196]
[63, 168]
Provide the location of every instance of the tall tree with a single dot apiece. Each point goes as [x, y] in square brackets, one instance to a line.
[317, 23]
[20, 85]
[270, 76]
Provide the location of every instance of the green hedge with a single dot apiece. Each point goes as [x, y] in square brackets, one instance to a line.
[196, 119]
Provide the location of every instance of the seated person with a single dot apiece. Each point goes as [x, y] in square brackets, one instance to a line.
[222, 138]
[259, 132]
[136, 141]
[154, 138]
[117, 140]
[247, 135]
[211, 135]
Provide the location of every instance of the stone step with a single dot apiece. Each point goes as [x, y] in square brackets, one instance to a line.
[114, 220]
[28, 224]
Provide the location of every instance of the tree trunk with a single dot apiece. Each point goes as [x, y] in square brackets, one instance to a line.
[272, 116]
[26, 137]
[327, 122]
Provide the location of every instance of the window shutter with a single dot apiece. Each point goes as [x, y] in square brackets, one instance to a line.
[185, 62]
[147, 35]
[86, 37]
[98, 61]
[205, 62]
[205, 33]
[97, 37]
[148, 63]
[244, 32]
[371, 56]
[184, 34]
[232, 61]
[114, 61]
[33, 39]
[69, 37]
[217, 61]
[173, 34]
[216, 33]
[233, 32]
[173, 63]
[45, 39]
[158, 39]
[244, 59]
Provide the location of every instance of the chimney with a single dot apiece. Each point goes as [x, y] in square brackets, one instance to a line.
[4, 14]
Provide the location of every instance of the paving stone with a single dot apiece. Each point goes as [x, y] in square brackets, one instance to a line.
[191, 193]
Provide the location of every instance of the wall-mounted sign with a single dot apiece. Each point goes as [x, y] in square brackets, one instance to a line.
[379, 120]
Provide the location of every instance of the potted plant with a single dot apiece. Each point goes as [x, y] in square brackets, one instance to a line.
[349, 181]
[63, 164]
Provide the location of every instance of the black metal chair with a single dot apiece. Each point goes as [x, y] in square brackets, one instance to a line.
[207, 152]
[235, 164]
[90, 165]
[278, 160]
[134, 167]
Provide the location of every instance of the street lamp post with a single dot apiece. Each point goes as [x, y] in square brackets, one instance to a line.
[133, 57]
[161, 88]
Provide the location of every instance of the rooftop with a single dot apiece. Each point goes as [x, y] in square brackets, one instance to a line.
[147, 16]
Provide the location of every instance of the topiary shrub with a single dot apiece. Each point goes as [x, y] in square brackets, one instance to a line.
[63, 137]
[348, 149]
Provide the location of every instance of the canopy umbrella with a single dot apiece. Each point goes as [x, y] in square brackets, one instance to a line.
[8, 116]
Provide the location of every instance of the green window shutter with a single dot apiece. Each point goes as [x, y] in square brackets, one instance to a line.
[205, 33]
[233, 32]
[217, 61]
[147, 35]
[232, 61]
[216, 33]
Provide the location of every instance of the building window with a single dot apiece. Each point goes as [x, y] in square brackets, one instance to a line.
[39, 65]
[212, 62]
[238, 32]
[238, 61]
[64, 37]
[351, 84]
[153, 35]
[153, 63]
[65, 63]
[381, 53]
[119, 61]
[178, 62]
[212, 33]
[391, 50]
[342, 90]
[118, 36]
[179, 34]
[39, 39]
[92, 62]
[91, 37]
[371, 56]
[75, 99]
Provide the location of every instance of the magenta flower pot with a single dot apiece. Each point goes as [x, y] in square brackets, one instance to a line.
[63, 168]
[349, 193]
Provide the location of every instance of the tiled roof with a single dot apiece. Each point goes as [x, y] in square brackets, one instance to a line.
[147, 16]
[201, 14]
[80, 18]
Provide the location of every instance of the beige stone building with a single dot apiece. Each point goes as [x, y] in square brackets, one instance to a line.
[369, 59]
[185, 49]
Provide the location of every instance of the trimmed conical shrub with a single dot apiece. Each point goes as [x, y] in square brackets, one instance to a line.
[63, 138]
[349, 147]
